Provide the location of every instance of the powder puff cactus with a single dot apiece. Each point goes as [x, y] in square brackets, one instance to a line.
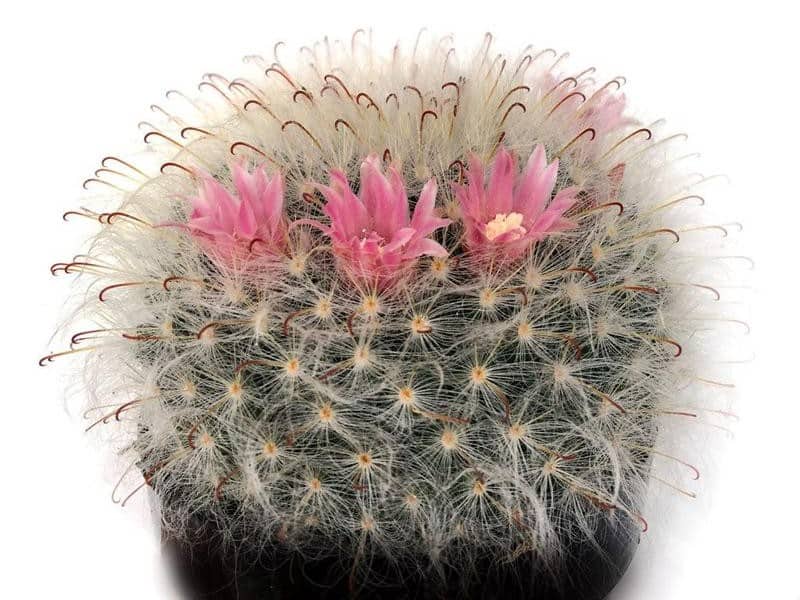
[410, 307]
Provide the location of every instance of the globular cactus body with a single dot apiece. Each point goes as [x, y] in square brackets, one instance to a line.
[468, 375]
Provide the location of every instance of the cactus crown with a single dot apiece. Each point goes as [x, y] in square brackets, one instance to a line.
[483, 366]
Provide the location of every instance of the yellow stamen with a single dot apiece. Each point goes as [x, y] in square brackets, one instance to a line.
[503, 223]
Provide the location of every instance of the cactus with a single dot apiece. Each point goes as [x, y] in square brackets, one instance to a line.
[410, 309]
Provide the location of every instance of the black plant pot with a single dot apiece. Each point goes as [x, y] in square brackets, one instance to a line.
[207, 572]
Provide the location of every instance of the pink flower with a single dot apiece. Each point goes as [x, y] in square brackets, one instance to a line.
[506, 216]
[604, 112]
[373, 237]
[234, 229]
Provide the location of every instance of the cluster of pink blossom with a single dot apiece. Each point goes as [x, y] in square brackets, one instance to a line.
[373, 236]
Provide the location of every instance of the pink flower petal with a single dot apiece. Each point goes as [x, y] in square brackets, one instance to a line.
[349, 217]
[246, 224]
[536, 185]
[501, 183]
[425, 247]
[399, 239]
[424, 219]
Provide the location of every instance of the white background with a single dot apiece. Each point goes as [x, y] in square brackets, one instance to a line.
[77, 77]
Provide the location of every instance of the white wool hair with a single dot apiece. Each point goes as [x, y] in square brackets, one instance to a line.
[295, 408]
